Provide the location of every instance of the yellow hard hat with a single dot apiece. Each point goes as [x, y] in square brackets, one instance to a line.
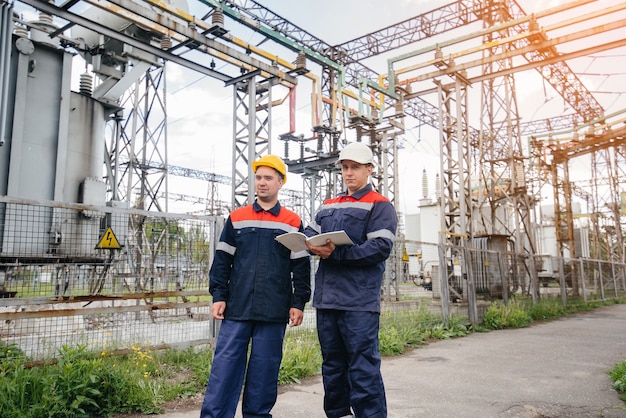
[273, 161]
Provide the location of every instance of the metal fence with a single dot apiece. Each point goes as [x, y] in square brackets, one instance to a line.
[112, 277]
[473, 277]
[103, 277]
[476, 277]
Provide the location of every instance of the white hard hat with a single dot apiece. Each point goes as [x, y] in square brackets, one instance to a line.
[357, 151]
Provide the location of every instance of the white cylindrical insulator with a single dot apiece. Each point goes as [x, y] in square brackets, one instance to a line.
[41, 35]
[399, 107]
[301, 60]
[218, 17]
[45, 18]
[21, 31]
[166, 42]
[438, 54]
[86, 84]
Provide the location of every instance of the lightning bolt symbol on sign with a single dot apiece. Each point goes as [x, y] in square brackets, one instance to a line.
[108, 241]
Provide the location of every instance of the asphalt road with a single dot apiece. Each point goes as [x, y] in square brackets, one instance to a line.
[554, 369]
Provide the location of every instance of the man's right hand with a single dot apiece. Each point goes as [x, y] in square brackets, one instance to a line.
[217, 310]
[324, 251]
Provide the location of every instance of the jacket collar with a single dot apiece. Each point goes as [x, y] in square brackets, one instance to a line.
[274, 210]
[360, 193]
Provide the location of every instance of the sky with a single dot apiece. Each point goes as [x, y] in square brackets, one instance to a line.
[200, 109]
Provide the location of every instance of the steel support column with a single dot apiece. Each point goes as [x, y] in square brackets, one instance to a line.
[252, 111]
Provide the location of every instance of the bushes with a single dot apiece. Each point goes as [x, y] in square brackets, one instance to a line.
[500, 316]
[520, 313]
[83, 384]
[301, 358]
[618, 376]
[547, 309]
[401, 331]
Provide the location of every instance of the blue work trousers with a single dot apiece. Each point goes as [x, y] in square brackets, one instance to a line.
[229, 368]
[351, 363]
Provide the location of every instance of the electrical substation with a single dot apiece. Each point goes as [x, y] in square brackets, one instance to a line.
[525, 203]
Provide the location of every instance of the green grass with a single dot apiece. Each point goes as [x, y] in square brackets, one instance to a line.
[87, 384]
[301, 357]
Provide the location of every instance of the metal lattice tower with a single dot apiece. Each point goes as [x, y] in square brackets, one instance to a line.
[501, 160]
[251, 134]
[137, 148]
[602, 144]
[455, 163]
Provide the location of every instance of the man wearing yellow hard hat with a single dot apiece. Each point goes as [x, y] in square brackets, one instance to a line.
[258, 286]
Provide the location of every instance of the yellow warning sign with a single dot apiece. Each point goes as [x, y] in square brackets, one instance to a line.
[108, 241]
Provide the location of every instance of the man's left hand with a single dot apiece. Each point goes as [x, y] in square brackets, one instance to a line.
[324, 251]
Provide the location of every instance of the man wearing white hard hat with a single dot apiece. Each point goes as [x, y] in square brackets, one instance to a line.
[258, 286]
[347, 289]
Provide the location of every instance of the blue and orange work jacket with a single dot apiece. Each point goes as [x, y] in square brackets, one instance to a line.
[351, 278]
[259, 278]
